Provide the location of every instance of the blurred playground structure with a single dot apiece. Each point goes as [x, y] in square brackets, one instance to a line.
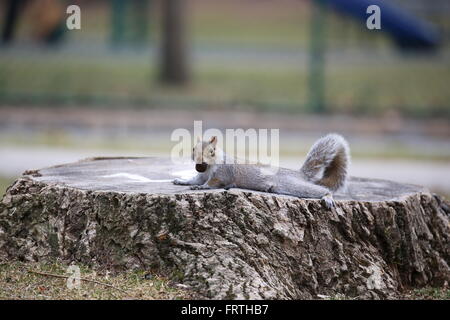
[281, 55]
[137, 69]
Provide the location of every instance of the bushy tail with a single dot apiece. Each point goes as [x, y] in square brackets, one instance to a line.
[327, 162]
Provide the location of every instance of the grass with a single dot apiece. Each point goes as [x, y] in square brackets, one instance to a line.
[31, 281]
[414, 88]
[4, 183]
[428, 293]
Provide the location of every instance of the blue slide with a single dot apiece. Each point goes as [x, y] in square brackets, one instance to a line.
[408, 31]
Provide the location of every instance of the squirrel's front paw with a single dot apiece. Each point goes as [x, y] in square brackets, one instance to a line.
[328, 201]
[179, 182]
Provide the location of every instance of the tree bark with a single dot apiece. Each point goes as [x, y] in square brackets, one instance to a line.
[124, 213]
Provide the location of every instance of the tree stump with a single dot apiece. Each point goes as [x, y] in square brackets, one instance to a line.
[124, 213]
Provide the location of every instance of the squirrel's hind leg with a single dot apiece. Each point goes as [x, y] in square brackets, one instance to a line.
[231, 185]
[201, 187]
[328, 200]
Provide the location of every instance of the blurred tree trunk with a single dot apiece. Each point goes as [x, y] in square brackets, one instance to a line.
[174, 69]
[317, 57]
[12, 12]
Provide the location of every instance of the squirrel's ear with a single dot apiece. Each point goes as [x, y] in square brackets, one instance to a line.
[213, 140]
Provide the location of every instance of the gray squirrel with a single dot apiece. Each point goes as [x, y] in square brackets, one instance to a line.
[323, 172]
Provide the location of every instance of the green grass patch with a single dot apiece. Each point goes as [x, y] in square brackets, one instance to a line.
[428, 293]
[410, 88]
[4, 184]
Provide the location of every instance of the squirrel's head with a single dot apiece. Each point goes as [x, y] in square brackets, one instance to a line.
[204, 154]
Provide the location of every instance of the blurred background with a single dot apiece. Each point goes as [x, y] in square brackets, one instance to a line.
[139, 69]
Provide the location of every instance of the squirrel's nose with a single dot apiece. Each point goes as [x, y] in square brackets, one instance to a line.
[201, 167]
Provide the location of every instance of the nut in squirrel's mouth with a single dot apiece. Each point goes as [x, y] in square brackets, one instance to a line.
[201, 167]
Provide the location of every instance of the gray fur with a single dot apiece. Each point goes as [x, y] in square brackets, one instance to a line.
[327, 162]
[324, 171]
